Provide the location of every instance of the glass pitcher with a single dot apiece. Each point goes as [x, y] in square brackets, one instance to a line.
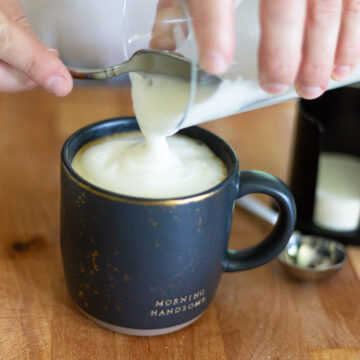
[90, 33]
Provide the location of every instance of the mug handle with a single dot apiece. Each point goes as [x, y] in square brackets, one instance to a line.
[250, 182]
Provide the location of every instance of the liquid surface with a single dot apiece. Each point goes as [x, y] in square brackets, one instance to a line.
[165, 168]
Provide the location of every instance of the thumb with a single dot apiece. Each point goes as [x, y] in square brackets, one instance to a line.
[20, 49]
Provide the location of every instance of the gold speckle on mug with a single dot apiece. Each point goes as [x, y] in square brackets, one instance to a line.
[154, 223]
[82, 269]
[86, 304]
[92, 272]
[117, 308]
[157, 244]
[108, 295]
[81, 294]
[96, 292]
[126, 277]
[116, 269]
[112, 285]
[94, 255]
[116, 252]
[200, 221]
[79, 201]
[106, 308]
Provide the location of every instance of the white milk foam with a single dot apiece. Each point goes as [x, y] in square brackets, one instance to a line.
[125, 164]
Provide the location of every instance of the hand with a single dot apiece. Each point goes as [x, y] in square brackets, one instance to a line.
[303, 42]
[306, 43]
[24, 61]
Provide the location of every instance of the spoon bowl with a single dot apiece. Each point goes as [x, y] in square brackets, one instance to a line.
[309, 257]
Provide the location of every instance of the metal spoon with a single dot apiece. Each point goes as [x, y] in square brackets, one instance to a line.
[147, 61]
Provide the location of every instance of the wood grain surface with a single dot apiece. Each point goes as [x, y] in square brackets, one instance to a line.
[258, 314]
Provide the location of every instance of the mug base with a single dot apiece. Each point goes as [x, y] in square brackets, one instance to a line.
[138, 332]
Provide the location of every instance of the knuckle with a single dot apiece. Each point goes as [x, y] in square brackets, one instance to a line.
[29, 85]
[352, 8]
[21, 20]
[274, 67]
[281, 13]
[30, 66]
[324, 12]
[279, 68]
[24, 23]
[312, 69]
[315, 72]
[4, 33]
[349, 52]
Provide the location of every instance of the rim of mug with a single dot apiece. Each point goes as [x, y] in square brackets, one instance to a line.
[74, 176]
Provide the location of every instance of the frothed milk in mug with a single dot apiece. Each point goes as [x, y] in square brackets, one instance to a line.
[127, 164]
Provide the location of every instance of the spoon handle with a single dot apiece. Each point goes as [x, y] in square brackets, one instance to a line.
[97, 74]
[257, 207]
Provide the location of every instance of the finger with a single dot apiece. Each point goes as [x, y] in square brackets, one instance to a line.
[214, 29]
[13, 80]
[15, 13]
[322, 28]
[24, 52]
[282, 24]
[169, 14]
[348, 50]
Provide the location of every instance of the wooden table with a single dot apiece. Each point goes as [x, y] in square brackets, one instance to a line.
[258, 314]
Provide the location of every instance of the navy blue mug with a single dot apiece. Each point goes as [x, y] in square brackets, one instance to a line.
[152, 266]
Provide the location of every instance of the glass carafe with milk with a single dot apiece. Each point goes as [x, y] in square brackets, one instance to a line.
[236, 91]
[98, 34]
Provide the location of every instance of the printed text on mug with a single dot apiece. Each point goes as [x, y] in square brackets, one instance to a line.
[174, 306]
